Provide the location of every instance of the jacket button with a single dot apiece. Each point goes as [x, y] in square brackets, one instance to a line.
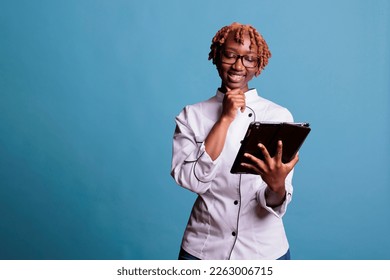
[235, 202]
[233, 233]
[250, 115]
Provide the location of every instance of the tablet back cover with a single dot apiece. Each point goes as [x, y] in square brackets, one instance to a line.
[292, 135]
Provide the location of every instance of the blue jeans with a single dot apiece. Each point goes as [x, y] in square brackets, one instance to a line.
[286, 256]
[183, 255]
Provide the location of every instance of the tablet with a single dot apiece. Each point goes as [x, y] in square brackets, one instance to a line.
[292, 135]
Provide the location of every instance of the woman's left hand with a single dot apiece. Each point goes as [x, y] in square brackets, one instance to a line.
[272, 170]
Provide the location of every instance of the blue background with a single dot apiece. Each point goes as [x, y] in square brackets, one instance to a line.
[88, 95]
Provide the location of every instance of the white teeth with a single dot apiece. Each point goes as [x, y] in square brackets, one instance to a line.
[236, 77]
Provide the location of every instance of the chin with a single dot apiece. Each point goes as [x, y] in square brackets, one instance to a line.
[236, 86]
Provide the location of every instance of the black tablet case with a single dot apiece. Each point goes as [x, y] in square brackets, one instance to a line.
[292, 135]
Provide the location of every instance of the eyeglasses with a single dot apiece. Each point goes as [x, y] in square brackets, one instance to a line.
[249, 61]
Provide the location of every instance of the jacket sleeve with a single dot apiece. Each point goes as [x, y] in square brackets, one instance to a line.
[192, 168]
[280, 210]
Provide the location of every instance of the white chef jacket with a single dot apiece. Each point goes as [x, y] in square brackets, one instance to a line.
[230, 218]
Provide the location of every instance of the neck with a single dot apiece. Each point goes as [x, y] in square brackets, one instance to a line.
[224, 89]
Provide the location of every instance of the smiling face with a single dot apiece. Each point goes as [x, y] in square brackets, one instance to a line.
[236, 75]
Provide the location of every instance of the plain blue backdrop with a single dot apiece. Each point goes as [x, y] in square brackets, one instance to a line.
[88, 95]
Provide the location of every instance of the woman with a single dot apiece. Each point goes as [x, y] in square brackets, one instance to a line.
[236, 216]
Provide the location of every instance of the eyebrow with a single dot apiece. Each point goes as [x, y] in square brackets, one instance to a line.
[234, 50]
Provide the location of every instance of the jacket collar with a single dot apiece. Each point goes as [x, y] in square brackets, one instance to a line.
[250, 95]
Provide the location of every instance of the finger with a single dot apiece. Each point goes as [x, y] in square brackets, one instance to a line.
[294, 161]
[264, 150]
[235, 91]
[256, 161]
[252, 158]
[240, 97]
[237, 96]
[279, 151]
[243, 107]
[252, 167]
[237, 100]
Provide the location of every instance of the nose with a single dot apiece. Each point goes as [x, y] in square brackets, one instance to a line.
[238, 64]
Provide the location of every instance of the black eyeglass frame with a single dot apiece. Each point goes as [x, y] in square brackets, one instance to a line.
[236, 57]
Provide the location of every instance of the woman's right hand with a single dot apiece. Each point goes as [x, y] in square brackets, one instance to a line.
[234, 99]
